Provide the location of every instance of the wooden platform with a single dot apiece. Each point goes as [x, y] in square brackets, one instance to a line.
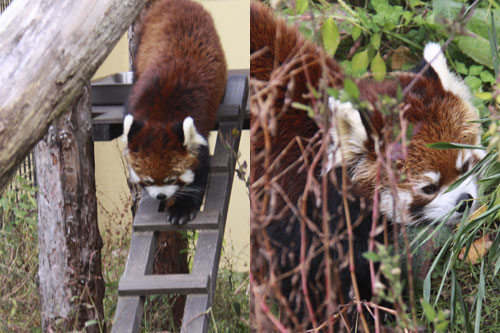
[109, 95]
[199, 286]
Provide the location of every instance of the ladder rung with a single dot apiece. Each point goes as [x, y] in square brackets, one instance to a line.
[157, 221]
[163, 284]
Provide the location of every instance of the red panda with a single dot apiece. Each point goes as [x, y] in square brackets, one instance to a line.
[179, 80]
[286, 68]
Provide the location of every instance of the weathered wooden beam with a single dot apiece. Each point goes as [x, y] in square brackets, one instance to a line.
[49, 50]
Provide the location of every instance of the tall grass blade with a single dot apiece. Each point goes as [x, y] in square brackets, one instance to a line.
[479, 298]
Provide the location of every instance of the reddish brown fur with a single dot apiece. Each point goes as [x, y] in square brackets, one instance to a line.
[278, 52]
[180, 71]
[437, 115]
[283, 48]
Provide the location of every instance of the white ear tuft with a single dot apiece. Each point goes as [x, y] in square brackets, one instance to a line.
[434, 56]
[192, 139]
[348, 132]
[127, 124]
[449, 81]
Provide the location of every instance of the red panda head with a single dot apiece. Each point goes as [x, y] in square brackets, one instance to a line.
[438, 106]
[162, 157]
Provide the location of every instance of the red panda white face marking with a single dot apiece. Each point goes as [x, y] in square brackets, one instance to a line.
[440, 110]
[162, 192]
[443, 203]
[157, 169]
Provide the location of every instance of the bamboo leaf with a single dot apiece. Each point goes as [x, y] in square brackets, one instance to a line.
[479, 300]
[449, 145]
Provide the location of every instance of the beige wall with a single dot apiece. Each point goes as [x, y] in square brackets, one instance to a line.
[232, 20]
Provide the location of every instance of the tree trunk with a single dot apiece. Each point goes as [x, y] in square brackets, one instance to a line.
[70, 277]
[49, 49]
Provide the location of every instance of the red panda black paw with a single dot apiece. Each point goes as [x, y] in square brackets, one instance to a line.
[181, 214]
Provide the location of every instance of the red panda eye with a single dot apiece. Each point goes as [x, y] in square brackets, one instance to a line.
[429, 189]
[465, 167]
[170, 181]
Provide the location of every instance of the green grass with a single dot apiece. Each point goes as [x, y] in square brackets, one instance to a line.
[18, 259]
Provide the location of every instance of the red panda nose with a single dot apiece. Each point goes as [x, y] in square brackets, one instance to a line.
[465, 199]
[161, 196]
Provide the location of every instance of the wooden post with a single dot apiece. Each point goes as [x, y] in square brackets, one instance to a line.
[49, 51]
[70, 277]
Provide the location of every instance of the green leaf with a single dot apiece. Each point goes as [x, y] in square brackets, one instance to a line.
[475, 69]
[375, 40]
[356, 32]
[91, 322]
[378, 67]
[371, 256]
[310, 111]
[449, 145]
[473, 82]
[476, 47]
[460, 68]
[442, 326]
[486, 76]
[351, 88]
[360, 62]
[428, 310]
[301, 6]
[331, 36]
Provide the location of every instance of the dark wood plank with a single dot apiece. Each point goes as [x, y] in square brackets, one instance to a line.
[228, 112]
[112, 114]
[206, 261]
[100, 132]
[195, 317]
[223, 158]
[147, 205]
[156, 221]
[164, 284]
[236, 91]
[128, 315]
[141, 255]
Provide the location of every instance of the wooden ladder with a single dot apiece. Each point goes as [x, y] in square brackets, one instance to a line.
[199, 286]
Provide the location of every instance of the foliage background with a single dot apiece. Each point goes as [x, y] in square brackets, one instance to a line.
[460, 291]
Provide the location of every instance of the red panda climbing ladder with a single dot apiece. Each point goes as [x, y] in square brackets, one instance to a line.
[199, 286]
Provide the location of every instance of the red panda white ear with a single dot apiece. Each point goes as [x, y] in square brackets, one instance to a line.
[131, 127]
[450, 82]
[348, 133]
[127, 124]
[192, 139]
